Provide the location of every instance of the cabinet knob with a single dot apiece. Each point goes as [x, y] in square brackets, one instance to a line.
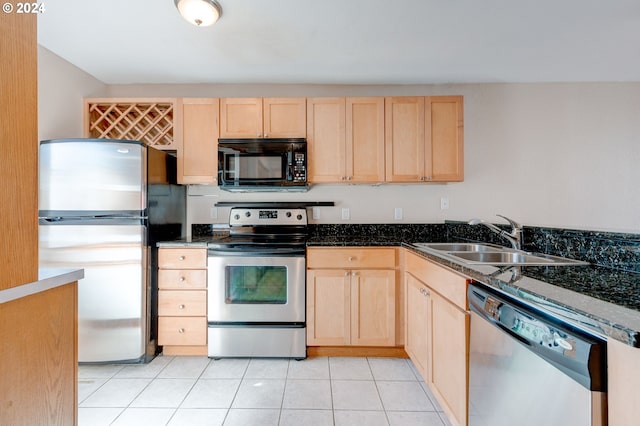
[266, 135]
[181, 330]
[259, 135]
[350, 177]
[354, 274]
[341, 177]
[421, 178]
[180, 306]
[351, 258]
[181, 258]
[424, 291]
[181, 279]
[346, 274]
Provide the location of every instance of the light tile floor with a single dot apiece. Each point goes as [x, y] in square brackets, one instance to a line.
[318, 391]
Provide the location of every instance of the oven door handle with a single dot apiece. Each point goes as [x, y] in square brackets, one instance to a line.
[281, 252]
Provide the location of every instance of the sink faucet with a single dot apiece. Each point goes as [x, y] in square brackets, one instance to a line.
[514, 237]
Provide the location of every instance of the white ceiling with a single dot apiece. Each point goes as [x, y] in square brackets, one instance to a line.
[349, 41]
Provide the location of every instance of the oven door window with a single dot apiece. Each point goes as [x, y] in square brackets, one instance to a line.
[256, 285]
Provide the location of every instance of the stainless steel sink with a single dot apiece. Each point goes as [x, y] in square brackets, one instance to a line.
[461, 247]
[503, 258]
[490, 254]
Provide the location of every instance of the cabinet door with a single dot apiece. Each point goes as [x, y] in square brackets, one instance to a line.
[365, 139]
[241, 118]
[404, 139]
[373, 306]
[198, 153]
[449, 357]
[326, 149]
[328, 308]
[418, 311]
[284, 117]
[444, 138]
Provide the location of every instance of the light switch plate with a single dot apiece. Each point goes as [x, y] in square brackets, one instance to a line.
[345, 213]
[316, 213]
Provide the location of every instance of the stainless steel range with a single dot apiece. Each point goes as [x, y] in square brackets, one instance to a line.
[256, 285]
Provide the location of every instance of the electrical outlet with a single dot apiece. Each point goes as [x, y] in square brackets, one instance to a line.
[444, 203]
[397, 213]
[213, 213]
[345, 213]
[316, 213]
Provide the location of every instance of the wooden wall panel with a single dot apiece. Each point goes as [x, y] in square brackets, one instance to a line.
[19, 147]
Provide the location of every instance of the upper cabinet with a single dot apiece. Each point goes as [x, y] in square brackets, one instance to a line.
[262, 118]
[405, 144]
[326, 140]
[345, 139]
[365, 139]
[424, 139]
[198, 153]
[444, 138]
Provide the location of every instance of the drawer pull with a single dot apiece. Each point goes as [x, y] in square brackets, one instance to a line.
[351, 258]
[346, 274]
[180, 306]
[181, 279]
[181, 258]
[181, 330]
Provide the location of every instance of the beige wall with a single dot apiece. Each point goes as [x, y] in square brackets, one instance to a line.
[559, 155]
[61, 88]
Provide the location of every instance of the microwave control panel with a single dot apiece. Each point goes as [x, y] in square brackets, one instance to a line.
[299, 167]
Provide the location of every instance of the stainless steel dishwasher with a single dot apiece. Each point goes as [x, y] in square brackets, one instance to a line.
[528, 367]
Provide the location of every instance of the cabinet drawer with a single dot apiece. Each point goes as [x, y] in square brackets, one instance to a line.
[348, 258]
[449, 284]
[182, 331]
[180, 279]
[182, 303]
[182, 258]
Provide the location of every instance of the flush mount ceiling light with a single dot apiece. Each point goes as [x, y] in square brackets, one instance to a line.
[201, 13]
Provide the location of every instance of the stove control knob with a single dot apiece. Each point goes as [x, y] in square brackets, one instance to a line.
[299, 217]
[236, 216]
[288, 214]
[247, 214]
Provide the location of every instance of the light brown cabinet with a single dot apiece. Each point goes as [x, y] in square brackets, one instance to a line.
[182, 300]
[263, 117]
[198, 152]
[437, 332]
[424, 139]
[351, 296]
[417, 332]
[346, 139]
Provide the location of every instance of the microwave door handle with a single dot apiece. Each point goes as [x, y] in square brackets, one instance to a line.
[289, 166]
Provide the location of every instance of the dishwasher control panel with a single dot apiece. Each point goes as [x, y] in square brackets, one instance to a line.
[571, 349]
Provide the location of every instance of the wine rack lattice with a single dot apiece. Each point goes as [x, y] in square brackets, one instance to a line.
[149, 122]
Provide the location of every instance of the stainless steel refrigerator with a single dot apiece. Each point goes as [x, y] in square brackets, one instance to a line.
[103, 204]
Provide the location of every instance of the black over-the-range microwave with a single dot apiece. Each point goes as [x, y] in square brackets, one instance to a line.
[262, 164]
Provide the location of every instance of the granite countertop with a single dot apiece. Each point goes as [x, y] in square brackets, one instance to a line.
[604, 300]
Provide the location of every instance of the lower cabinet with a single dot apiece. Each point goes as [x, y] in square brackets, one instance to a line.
[353, 306]
[437, 333]
[182, 300]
